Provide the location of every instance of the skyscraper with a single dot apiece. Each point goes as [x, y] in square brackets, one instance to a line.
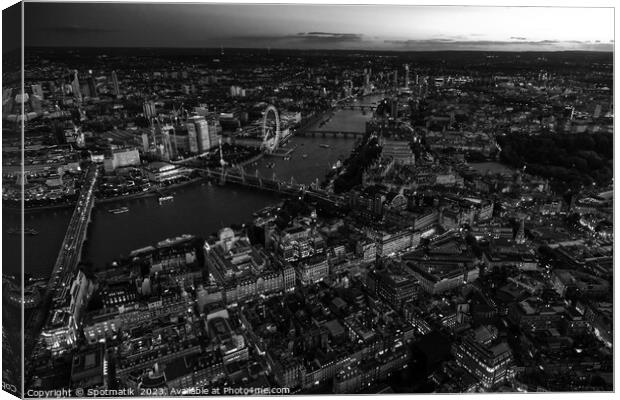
[35, 103]
[92, 87]
[597, 111]
[145, 142]
[169, 152]
[75, 86]
[115, 88]
[37, 90]
[191, 133]
[406, 75]
[520, 235]
[202, 133]
[149, 110]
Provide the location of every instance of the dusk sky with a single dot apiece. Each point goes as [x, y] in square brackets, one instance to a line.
[320, 26]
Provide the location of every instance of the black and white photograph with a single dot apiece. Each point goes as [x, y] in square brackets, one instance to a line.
[290, 199]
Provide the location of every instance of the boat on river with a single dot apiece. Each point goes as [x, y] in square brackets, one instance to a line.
[120, 210]
[25, 231]
[165, 199]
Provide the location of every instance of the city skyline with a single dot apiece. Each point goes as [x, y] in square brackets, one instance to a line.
[206, 199]
[411, 28]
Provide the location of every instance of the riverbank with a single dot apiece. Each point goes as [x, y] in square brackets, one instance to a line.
[152, 192]
[198, 209]
[18, 210]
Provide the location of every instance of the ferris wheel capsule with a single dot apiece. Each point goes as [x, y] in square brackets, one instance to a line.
[271, 129]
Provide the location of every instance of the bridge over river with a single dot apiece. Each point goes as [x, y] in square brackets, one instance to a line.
[237, 176]
[70, 254]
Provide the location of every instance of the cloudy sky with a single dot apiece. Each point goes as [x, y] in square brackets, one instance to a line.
[319, 26]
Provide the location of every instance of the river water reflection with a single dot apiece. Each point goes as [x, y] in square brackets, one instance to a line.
[198, 209]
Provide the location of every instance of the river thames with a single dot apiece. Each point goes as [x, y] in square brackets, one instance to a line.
[198, 209]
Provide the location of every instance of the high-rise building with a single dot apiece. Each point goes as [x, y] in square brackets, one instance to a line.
[35, 103]
[169, 149]
[215, 131]
[92, 87]
[407, 75]
[145, 142]
[115, 87]
[597, 110]
[520, 236]
[75, 86]
[149, 110]
[191, 133]
[202, 133]
[394, 108]
[237, 91]
[37, 90]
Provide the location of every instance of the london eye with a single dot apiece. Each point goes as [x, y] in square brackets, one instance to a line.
[271, 129]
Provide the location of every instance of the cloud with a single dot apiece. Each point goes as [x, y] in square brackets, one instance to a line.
[328, 36]
[496, 45]
[305, 39]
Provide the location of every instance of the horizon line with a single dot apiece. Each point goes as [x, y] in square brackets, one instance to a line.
[318, 49]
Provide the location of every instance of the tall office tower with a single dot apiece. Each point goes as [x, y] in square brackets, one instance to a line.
[520, 236]
[394, 108]
[7, 94]
[406, 75]
[191, 135]
[597, 111]
[92, 87]
[168, 149]
[149, 109]
[37, 90]
[80, 140]
[75, 86]
[366, 79]
[215, 131]
[35, 103]
[145, 142]
[202, 133]
[395, 78]
[85, 90]
[115, 88]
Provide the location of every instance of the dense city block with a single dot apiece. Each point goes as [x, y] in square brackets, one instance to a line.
[461, 242]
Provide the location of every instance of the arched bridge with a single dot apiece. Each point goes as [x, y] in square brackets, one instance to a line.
[321, 133]
[238, 176]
